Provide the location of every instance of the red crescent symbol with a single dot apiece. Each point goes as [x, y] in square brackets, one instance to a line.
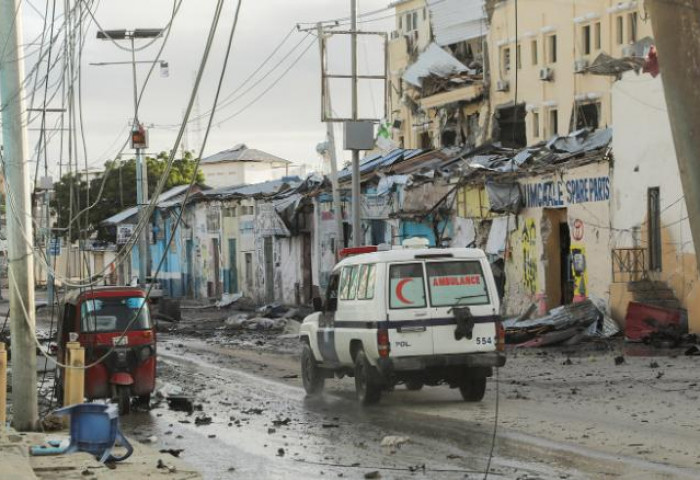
[399, 291]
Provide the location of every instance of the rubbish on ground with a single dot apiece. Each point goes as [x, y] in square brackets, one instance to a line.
[151, 439]
[272, 310]
[644, 321]
[280, 452]
[181, 404]
[279, 423]
[374, 474]
[619, 360]
[242, 322]
[202, 420]
[394, 441]
[253, 411]
[164, 466]
[693, 351]
[228, 299]
[175, 452]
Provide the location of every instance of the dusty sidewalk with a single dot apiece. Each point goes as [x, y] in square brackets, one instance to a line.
[17, 464]
[578, 401]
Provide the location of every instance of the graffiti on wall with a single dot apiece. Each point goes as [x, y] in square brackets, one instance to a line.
[529, 244]
[579, 272]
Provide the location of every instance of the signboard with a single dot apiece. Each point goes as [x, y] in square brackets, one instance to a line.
[55, 247]
[560, 193]
[124, 232]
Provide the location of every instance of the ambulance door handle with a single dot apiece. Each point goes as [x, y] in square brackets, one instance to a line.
[423, 314]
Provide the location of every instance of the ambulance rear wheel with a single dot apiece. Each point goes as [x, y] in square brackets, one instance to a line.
[311, 375]
[473, 388]
[367, 386]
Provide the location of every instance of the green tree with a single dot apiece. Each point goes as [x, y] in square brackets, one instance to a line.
[119, 193]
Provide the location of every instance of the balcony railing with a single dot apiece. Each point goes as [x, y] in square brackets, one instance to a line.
[629, 264]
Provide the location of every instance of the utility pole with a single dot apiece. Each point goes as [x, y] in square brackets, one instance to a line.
[337, 206]
[137, 131]
[676, 32]
[19, 219]
[356, 196]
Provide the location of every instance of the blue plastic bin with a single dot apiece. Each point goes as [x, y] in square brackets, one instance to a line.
[94, 428]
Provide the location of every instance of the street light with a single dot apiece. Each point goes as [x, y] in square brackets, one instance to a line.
[139, 138]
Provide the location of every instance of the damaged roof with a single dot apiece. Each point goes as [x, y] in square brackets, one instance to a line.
[241, 153]
[254, 190]
[455, 21]
[559, 149]
[433, 61]
[163, 199]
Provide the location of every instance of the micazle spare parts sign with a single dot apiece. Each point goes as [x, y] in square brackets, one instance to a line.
[560, 193]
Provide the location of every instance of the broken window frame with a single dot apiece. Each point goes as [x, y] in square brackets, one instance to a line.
[632, 27]
[586, 39]
[535, 124]
[553, 121]
[552, 48]
[505, 59]
[580, 113]
[620, 29]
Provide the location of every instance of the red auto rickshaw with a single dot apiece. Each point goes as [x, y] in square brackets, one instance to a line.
[98, 317]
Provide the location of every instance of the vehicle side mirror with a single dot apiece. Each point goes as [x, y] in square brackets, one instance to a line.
[317, 303]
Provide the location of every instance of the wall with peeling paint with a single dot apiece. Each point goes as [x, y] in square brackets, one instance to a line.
[645, 157]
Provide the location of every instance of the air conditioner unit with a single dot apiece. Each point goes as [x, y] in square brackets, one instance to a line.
[546, 74]
[502, 85]
[580, 65]
[629, 51]
[395, 34]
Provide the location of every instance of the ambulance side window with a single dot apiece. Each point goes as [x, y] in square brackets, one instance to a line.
[406, 286]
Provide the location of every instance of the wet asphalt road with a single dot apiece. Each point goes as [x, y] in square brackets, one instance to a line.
[264, 429]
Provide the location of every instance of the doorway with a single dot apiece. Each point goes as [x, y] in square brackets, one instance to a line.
[216, 256]
[269, 271]
[232, 266]
[559, 279]
[307, 282]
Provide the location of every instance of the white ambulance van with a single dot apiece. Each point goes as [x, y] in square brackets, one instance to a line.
[413, 316]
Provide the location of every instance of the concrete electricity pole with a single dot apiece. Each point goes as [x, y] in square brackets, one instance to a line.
[356, 198]
[337, 206]
[137, 131]
[676, 29]
[19, 218]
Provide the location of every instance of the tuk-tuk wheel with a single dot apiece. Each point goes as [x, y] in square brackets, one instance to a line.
[145, 400]
[124, 399]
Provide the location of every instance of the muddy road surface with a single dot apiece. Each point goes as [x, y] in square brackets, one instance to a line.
[252, 425]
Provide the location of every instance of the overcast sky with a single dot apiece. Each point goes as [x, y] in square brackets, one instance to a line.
[285, 121]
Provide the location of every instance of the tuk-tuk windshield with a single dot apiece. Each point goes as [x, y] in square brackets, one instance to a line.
[114, 314]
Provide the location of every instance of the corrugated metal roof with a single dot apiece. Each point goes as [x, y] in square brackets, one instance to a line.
[241, 153]
[263, 188]
[456, 21]
[433, 61]
[130, 212]
[378, 161]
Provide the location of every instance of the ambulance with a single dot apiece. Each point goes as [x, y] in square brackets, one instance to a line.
[410, 316]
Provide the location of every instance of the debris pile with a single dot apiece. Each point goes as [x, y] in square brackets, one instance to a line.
[568, 325]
